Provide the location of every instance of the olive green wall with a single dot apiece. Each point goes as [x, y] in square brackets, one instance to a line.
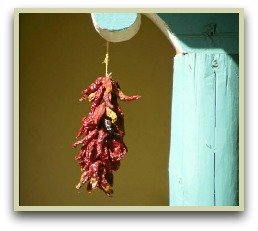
[61, 54]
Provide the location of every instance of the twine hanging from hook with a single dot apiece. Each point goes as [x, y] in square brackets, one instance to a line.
[106, 60]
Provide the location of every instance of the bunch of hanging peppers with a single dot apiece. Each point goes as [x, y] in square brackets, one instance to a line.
[101, 135]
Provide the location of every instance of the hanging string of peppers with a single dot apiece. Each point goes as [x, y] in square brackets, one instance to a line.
[102, 132]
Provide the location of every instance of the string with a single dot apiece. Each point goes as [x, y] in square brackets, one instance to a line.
[106, 60]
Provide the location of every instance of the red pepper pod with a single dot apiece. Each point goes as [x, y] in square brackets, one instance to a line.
[87, 138]
[107, 99]
[93, 87]
[100, 142]
[97, 98]
[106, 181]
[124, 97]
[105, 157]
[98, 113]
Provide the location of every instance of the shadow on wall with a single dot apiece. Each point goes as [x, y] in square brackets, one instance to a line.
[61, 54]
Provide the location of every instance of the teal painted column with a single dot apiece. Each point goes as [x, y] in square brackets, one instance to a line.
[203, 164]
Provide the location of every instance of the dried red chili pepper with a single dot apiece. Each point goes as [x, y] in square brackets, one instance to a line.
[102, 146]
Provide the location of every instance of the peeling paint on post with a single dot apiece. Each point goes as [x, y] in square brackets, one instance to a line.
[204, 134]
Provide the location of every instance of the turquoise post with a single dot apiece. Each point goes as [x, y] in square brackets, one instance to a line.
[203, 165]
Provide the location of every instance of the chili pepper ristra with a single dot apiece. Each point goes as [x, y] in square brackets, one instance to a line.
[101, 134]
